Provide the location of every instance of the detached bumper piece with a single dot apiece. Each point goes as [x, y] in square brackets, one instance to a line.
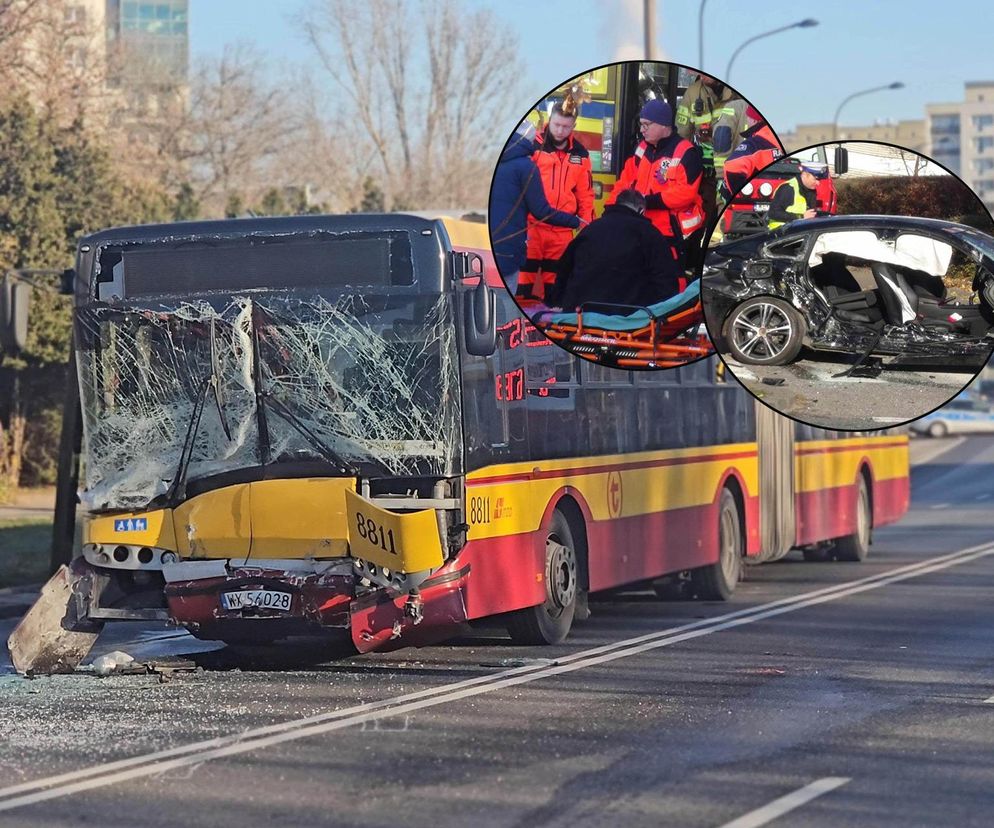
[384, 621]
[55, 635]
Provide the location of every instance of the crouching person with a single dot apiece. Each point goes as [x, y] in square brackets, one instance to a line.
[618, 259]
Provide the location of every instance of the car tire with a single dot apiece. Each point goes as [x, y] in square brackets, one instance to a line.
[717, 581]
[938, 429]
[550, 622]
[856, 547]
[764, 331]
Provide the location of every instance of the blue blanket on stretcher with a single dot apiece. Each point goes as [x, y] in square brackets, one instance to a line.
[633, 321]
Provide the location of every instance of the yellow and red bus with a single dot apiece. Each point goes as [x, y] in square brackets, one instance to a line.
[344, 421]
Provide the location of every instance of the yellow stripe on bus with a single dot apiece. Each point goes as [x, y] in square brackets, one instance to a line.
[502, 507]
[816, 469]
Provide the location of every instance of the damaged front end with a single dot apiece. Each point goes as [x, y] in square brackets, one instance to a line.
[266, 462]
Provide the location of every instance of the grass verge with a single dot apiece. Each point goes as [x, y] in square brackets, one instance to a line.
[24, 551]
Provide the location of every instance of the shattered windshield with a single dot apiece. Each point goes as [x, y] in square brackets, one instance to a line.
[364, 380]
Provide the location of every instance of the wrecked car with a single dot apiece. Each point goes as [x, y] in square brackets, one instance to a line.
[862, 285]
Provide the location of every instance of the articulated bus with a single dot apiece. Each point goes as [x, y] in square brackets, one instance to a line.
[344, 421]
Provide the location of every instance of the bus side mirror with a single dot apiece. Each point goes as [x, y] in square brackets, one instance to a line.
[841, 161]
[15, 302]
[68, 283]
[480, 319]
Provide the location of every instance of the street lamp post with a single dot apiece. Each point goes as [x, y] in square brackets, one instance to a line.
[700, 35]
[835, 121]
[807, 23]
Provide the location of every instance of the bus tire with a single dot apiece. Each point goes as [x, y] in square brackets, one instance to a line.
[779, 347]
[550, 622]
[716, 582]
[856, 547]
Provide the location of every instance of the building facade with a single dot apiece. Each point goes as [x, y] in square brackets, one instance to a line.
[961, 137]
[958, 135]
[910, 134]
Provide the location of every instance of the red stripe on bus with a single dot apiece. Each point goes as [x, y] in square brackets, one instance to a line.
[607, 467]
[856, 447]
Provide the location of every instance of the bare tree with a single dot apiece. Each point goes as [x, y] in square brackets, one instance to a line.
[431, 90]
[55, 55]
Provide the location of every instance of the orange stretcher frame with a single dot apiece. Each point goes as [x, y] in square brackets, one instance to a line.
[663, 343]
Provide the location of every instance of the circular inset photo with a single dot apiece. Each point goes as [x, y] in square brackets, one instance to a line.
[851, 285]
[600, 205]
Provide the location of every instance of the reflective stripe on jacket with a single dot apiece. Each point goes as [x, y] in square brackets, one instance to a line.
[665, 175]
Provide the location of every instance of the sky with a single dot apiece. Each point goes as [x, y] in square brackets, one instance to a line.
[797, 76]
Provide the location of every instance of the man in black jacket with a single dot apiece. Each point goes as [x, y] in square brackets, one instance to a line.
[620, 259]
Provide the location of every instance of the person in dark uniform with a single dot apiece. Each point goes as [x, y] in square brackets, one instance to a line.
[620, 259]
[796, 198]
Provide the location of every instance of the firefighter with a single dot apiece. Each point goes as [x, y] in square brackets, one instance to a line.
[706, 113]
[706, 116]
[667, 170]
[758, 148]
[564, 166]
[796, 198]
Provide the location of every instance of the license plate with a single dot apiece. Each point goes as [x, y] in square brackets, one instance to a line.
[256, 599]
[761, 208]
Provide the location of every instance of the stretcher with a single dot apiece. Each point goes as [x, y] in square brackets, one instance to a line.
[663, 335]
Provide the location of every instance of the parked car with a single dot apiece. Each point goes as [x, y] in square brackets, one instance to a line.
[964, 415]
[857, 284]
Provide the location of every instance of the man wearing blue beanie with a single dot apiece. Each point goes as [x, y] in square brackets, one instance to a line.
[667, 170]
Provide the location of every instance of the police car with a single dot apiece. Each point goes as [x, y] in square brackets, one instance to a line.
[964, 415]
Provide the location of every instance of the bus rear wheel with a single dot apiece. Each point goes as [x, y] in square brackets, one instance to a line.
[716, 582]
[550, 622]
[856, 547]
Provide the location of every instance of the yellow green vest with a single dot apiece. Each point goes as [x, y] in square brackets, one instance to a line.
[799, 205]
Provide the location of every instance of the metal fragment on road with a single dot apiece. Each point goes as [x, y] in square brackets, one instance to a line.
[51, 638]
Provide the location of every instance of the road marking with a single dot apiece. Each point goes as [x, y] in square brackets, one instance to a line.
[926, 451]
[123, 770]
[989, 701]
[939, 506]
[785, 804]
[983, 496]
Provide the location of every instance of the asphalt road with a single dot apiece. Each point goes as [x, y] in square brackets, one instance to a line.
[810, 390]
[822, 695]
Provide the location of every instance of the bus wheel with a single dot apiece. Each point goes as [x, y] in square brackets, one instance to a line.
[856, 547]
[717, 581]
[550, 622]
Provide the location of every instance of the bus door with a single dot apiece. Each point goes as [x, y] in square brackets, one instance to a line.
[775, 441]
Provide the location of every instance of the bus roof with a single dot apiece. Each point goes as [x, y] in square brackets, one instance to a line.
[279, 225]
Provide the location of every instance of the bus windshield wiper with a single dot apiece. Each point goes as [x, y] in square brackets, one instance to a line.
[175, 493]
[278, 407]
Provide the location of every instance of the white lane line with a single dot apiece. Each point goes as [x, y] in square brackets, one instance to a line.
[196, 753]
[983, 496]
[927, 451]
[785, 804]
[939, 506]
[989, 701]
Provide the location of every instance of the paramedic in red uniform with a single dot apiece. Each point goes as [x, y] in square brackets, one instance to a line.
[667, 170]
[759, 148]
[564, 166]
